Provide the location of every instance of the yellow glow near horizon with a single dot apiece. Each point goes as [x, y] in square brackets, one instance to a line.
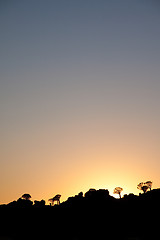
[80, 94]
[85, 170]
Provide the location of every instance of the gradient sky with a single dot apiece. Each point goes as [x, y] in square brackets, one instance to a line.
[79, 96]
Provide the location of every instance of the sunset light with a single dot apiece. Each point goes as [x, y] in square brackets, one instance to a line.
[79, 97]
[80, 119]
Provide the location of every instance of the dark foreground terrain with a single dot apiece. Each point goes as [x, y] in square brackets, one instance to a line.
[96, 215]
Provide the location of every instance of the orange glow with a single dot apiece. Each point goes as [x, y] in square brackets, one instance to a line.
[79, 170]
[80, 94]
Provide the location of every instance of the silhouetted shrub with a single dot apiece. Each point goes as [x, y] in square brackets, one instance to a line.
[26, 196]
[24, 203]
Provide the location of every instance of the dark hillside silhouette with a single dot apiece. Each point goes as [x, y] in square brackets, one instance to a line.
[94, 215]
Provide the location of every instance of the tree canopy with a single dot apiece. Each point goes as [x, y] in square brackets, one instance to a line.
[26, 196]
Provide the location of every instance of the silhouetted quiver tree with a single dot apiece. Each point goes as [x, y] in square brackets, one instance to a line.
[55, 198]
[148, 184]
[145, 186]
[140, 185]
[118, 190]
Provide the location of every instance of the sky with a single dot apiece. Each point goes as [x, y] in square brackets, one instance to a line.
[79, 96]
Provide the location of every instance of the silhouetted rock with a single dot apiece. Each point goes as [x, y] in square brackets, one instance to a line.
[21, 203]
[97, 195]
[24, 203]
[39, 203]
[96, 215]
